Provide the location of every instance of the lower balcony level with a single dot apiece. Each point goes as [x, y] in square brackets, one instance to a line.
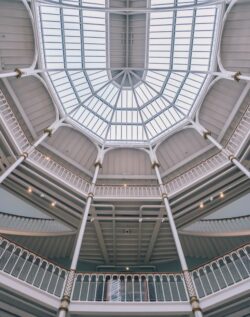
[27, 280]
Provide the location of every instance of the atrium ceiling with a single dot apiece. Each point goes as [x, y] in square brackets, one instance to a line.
[128, 76]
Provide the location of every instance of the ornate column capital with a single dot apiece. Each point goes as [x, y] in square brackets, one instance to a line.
[155, 163]
[24, 155]
[19, 73]
[48, 131]
[98, 163]
[206, 134]
[236, 76]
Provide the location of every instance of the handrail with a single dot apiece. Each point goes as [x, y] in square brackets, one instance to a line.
[210, 278]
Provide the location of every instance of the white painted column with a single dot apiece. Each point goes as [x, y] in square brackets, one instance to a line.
[207, 135]
[63, 309]
[194, 301]
[47, 132]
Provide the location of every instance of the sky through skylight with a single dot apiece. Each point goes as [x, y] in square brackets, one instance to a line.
[114, 99]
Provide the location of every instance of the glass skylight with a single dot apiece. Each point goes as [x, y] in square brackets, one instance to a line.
[125, 71]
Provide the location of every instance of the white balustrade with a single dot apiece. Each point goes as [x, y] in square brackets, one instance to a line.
[129, 288]
[222, 272]
[210, 278]
[31, 269]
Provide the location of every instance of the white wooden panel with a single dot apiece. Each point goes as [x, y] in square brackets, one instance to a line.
[16, 35]
[218, 104]
[235, 46]
[127, 162]
[75, 146]
[179, 147]
[35, 101]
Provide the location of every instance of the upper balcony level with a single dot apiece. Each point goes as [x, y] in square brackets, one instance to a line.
[72, 180]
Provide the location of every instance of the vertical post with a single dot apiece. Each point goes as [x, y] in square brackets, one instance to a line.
[65, 301]
[207, 135]
[47, 132]
[194, 301]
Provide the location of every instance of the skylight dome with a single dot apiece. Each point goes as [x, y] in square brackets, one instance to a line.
[126, 70]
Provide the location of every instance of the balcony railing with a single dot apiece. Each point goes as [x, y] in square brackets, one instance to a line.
[223, 272]
[129, 288]
[31, 269]
[214, 277]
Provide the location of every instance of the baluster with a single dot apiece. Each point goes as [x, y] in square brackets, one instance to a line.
[6, 255]
[33, 270]
[47, 278]
[227, 274]
[233, 269]
[219, 276]
[92, 288]
[3, 247]
[17, 259]
[151, 288]
[180, 287]
[162, 289]
[40, 274]
[243, 260]
[60, 283]
[99, 288]
[53, 280]
[176, 283]
[27, 267]
[204, 282]
[12, 260]
[103, 289]
[140, 288]
[159, 289]
[85, 288]
[166, 288]
[212, 278]
[77, 287]
[198, 284]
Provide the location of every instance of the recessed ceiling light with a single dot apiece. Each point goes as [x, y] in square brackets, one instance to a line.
[127, 268]
[29, 190]
[201, 205]
[222, 195]
[53, 203]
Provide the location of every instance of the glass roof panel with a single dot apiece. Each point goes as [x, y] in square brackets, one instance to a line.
[127, 70]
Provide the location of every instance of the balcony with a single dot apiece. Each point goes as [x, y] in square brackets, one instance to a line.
[23, 271]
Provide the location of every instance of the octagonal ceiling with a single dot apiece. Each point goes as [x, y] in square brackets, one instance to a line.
[125, 70]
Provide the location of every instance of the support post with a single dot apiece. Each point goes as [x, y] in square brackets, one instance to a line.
[47, 132]
[65, 301]
[207, 135]
[194, 301]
